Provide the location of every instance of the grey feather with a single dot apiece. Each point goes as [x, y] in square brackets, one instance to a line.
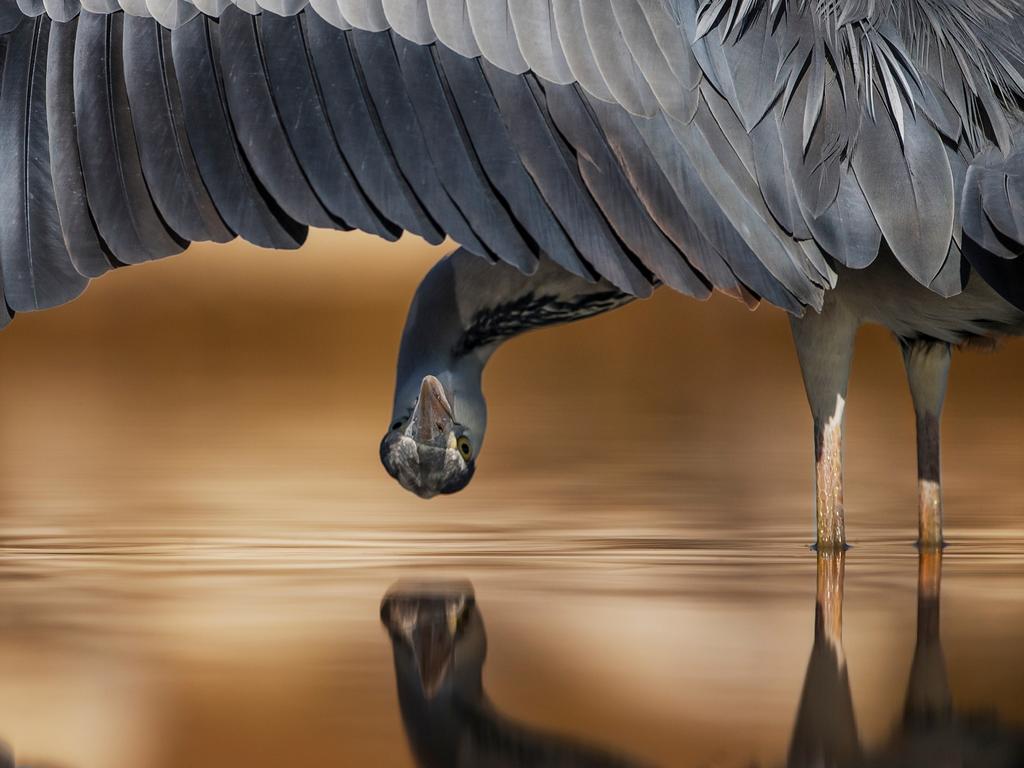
[171, 13]
[137, 8]
[752, 59]
[576, 47]
[773, 177]
[450, 20]
[329, 11]
[736, 193]
[708, 215]
[605, 180]
[411, 20]
[660, 199]
[31, 8]
[1006, 276]
[495, 34]
[909, 187]
[664, 21]
[11, 16]
[118, 195]
[813, 151]
[248, 6]
[387, 90]
[546, 160]
[239, 199]
[538, 40]
[283, 7]
[847, 230]
[100, 6]
[487, 132]
[358, 133]
[212, 8]
[367, 15]
[675, 97]
[37, 270]
[992, 204]
[89, 254]
[953, 275]
[1002, 202]
[168, 162]
[619, 70]
[257, 124]
[60, 10]
[304, 117]
[455, 160]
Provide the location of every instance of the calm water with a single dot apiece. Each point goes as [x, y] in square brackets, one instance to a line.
[195, 535]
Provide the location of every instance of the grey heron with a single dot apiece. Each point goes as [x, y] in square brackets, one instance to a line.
[439, 646]
[847, 161]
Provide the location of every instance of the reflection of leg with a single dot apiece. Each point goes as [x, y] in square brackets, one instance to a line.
[928, 696]
[824, 345]
[927, 366]
[828, 614]
[825, 733]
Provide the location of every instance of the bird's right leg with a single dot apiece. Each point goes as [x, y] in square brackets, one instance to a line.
[927, 364]
[824, 345]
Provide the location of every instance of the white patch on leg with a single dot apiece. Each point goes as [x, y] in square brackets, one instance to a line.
[929, 509]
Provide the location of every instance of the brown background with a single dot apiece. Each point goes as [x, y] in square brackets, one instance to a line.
[196, 530]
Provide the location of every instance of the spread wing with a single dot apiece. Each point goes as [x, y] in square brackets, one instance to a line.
[743, 145]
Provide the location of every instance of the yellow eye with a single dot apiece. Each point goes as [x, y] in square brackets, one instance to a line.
[464, 447]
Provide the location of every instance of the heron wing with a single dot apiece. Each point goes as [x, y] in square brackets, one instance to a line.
[744, 145]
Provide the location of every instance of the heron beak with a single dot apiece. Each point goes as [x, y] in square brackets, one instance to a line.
[432, 418]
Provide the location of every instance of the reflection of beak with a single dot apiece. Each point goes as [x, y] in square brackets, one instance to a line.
[433, 645]
[426, 620]
[432, 418]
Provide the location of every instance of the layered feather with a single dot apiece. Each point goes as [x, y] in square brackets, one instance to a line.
[749, 145]
[37, 269]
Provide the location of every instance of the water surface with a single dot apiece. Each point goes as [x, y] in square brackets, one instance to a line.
[195, 534]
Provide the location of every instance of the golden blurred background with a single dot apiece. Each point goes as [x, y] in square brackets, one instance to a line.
[196, 530]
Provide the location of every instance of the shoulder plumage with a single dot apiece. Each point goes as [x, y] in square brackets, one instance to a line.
[901, 54]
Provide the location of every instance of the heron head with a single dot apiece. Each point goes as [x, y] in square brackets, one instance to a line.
[437, 636]
[432, 448]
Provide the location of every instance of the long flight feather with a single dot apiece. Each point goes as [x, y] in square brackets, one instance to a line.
[37, 270]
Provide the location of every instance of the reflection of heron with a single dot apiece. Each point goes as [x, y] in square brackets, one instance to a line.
[847, 161]
[931, 733]
[439, 644]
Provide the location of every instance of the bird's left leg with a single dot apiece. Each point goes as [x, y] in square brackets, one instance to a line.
[927, 364]
[824, 345]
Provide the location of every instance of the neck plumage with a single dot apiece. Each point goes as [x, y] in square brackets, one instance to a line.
[465, 308]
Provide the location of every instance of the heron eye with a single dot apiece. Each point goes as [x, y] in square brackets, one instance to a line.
[464, 447]
[396, 425]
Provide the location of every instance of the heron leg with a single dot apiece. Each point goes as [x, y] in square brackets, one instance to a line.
[824, 345]
[927, 364]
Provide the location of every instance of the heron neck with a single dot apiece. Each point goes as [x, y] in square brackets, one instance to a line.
[466, 308]
[431, 342]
